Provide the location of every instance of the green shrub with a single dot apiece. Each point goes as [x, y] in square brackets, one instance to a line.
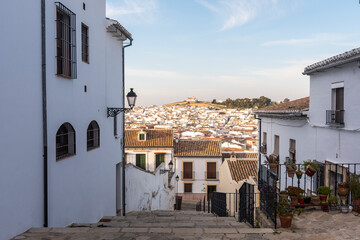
[324, 190]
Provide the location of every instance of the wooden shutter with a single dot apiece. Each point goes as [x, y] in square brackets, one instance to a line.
[264, 138]
[187, 168]
[160, 158]
[188, 187]
[141, 161]
[276, 145]
[211, 170]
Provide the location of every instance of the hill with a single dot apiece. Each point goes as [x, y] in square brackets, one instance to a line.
[195, 104]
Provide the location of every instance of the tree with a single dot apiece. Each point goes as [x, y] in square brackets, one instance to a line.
[213, 101]
[286, 100]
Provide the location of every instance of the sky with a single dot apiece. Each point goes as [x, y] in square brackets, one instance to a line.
[219, 49]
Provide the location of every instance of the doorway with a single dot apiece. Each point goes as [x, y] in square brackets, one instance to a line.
[118, 189]
[210, 190]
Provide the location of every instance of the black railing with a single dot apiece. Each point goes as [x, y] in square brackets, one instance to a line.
[267, 185]
[211, 175]
[329, 174]
[263, 149]
[218, 205]
[247, 204]
[335, 117]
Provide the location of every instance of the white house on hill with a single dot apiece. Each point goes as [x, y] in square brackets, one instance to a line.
[60, 154]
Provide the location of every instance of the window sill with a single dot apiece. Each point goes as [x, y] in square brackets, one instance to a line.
[64, 157]
[92, 148]
[211, 179]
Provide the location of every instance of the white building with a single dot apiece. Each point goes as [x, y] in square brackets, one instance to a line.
[148, 148]
[60, 154]
[197, 163]
[325, 127]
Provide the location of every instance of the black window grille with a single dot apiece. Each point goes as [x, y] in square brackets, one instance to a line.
[65, 42]
[93, 135]
[85, 43]
[65, 141]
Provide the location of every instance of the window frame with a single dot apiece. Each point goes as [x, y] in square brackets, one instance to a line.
[66, 62]
[85, 44]
[65, 139]
[95, 138]
[136, 160]
[188, 184]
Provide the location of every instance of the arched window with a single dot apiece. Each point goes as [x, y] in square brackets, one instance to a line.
[65, 141]
[93, 135]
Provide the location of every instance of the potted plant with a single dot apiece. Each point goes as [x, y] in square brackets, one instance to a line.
[311, 167]
[324, 206]
[301, 199]
[307, 200]
[355, 191]
[290, 167]
[273, 162]
[333, 201]
[299, 173]
[343, 190]
[283, 195]
[315, 200]
[344, 208]
[286, 213]
[294, 193]
[323, 193]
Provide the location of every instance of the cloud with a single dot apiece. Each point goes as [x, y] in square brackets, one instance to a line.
[235, 13]
[137, 11]
[335, 39]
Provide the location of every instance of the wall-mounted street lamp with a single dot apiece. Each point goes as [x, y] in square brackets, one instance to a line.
[171, 164]
[131, 98]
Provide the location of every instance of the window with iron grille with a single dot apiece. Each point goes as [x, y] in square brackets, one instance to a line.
[65, 41]
[188, 187]
[65, 141]
[93, 135]
[84, 43]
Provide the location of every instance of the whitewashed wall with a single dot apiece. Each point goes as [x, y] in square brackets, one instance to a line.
[21, 162]
[199, 184]
[82, 188]
[150, 156]
[147, 191]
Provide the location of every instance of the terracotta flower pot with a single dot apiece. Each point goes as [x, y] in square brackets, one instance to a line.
[323, 198]
[356, 205]
[285, 221]
[294, 200]
[290, 172]
[315, 201]
[310, 171]
[283, 197]
[302, 201]
[343, 192]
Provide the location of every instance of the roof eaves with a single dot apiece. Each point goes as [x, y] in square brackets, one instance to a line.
[118, 30]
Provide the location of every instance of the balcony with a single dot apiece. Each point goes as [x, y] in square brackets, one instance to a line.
[335, 118]
[212, 176]
[187, 175]
[263, 149]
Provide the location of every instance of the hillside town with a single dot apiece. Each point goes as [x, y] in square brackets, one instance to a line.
[237, 129]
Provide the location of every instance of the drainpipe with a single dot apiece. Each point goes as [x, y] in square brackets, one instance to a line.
[123, 137]
[259, 144]
[44, 112]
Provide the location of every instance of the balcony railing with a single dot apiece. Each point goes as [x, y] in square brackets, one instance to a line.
[335, 117]
[211, 175]
[188, 175]
[263, 149]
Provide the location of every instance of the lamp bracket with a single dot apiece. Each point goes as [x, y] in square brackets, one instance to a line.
[112, 112]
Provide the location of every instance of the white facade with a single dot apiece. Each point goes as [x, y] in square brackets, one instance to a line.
[148, 191]
[315, 138]
[150, 156]
[82, 187]
[199, 182]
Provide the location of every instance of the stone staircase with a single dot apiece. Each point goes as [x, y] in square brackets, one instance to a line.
[153, 225]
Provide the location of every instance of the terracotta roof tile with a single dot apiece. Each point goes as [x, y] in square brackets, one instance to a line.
[198, 148]
[242, 169]
[242, 156]
[297, 105]
[154, 138]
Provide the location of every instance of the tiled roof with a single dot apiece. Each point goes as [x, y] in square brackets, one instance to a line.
[154, 138]
[242, 156]
[298, 105]
[242, 169]
[198, 148]
[351, 55]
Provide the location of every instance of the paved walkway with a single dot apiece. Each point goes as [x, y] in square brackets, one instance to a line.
[154, 225]
[320, 225]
